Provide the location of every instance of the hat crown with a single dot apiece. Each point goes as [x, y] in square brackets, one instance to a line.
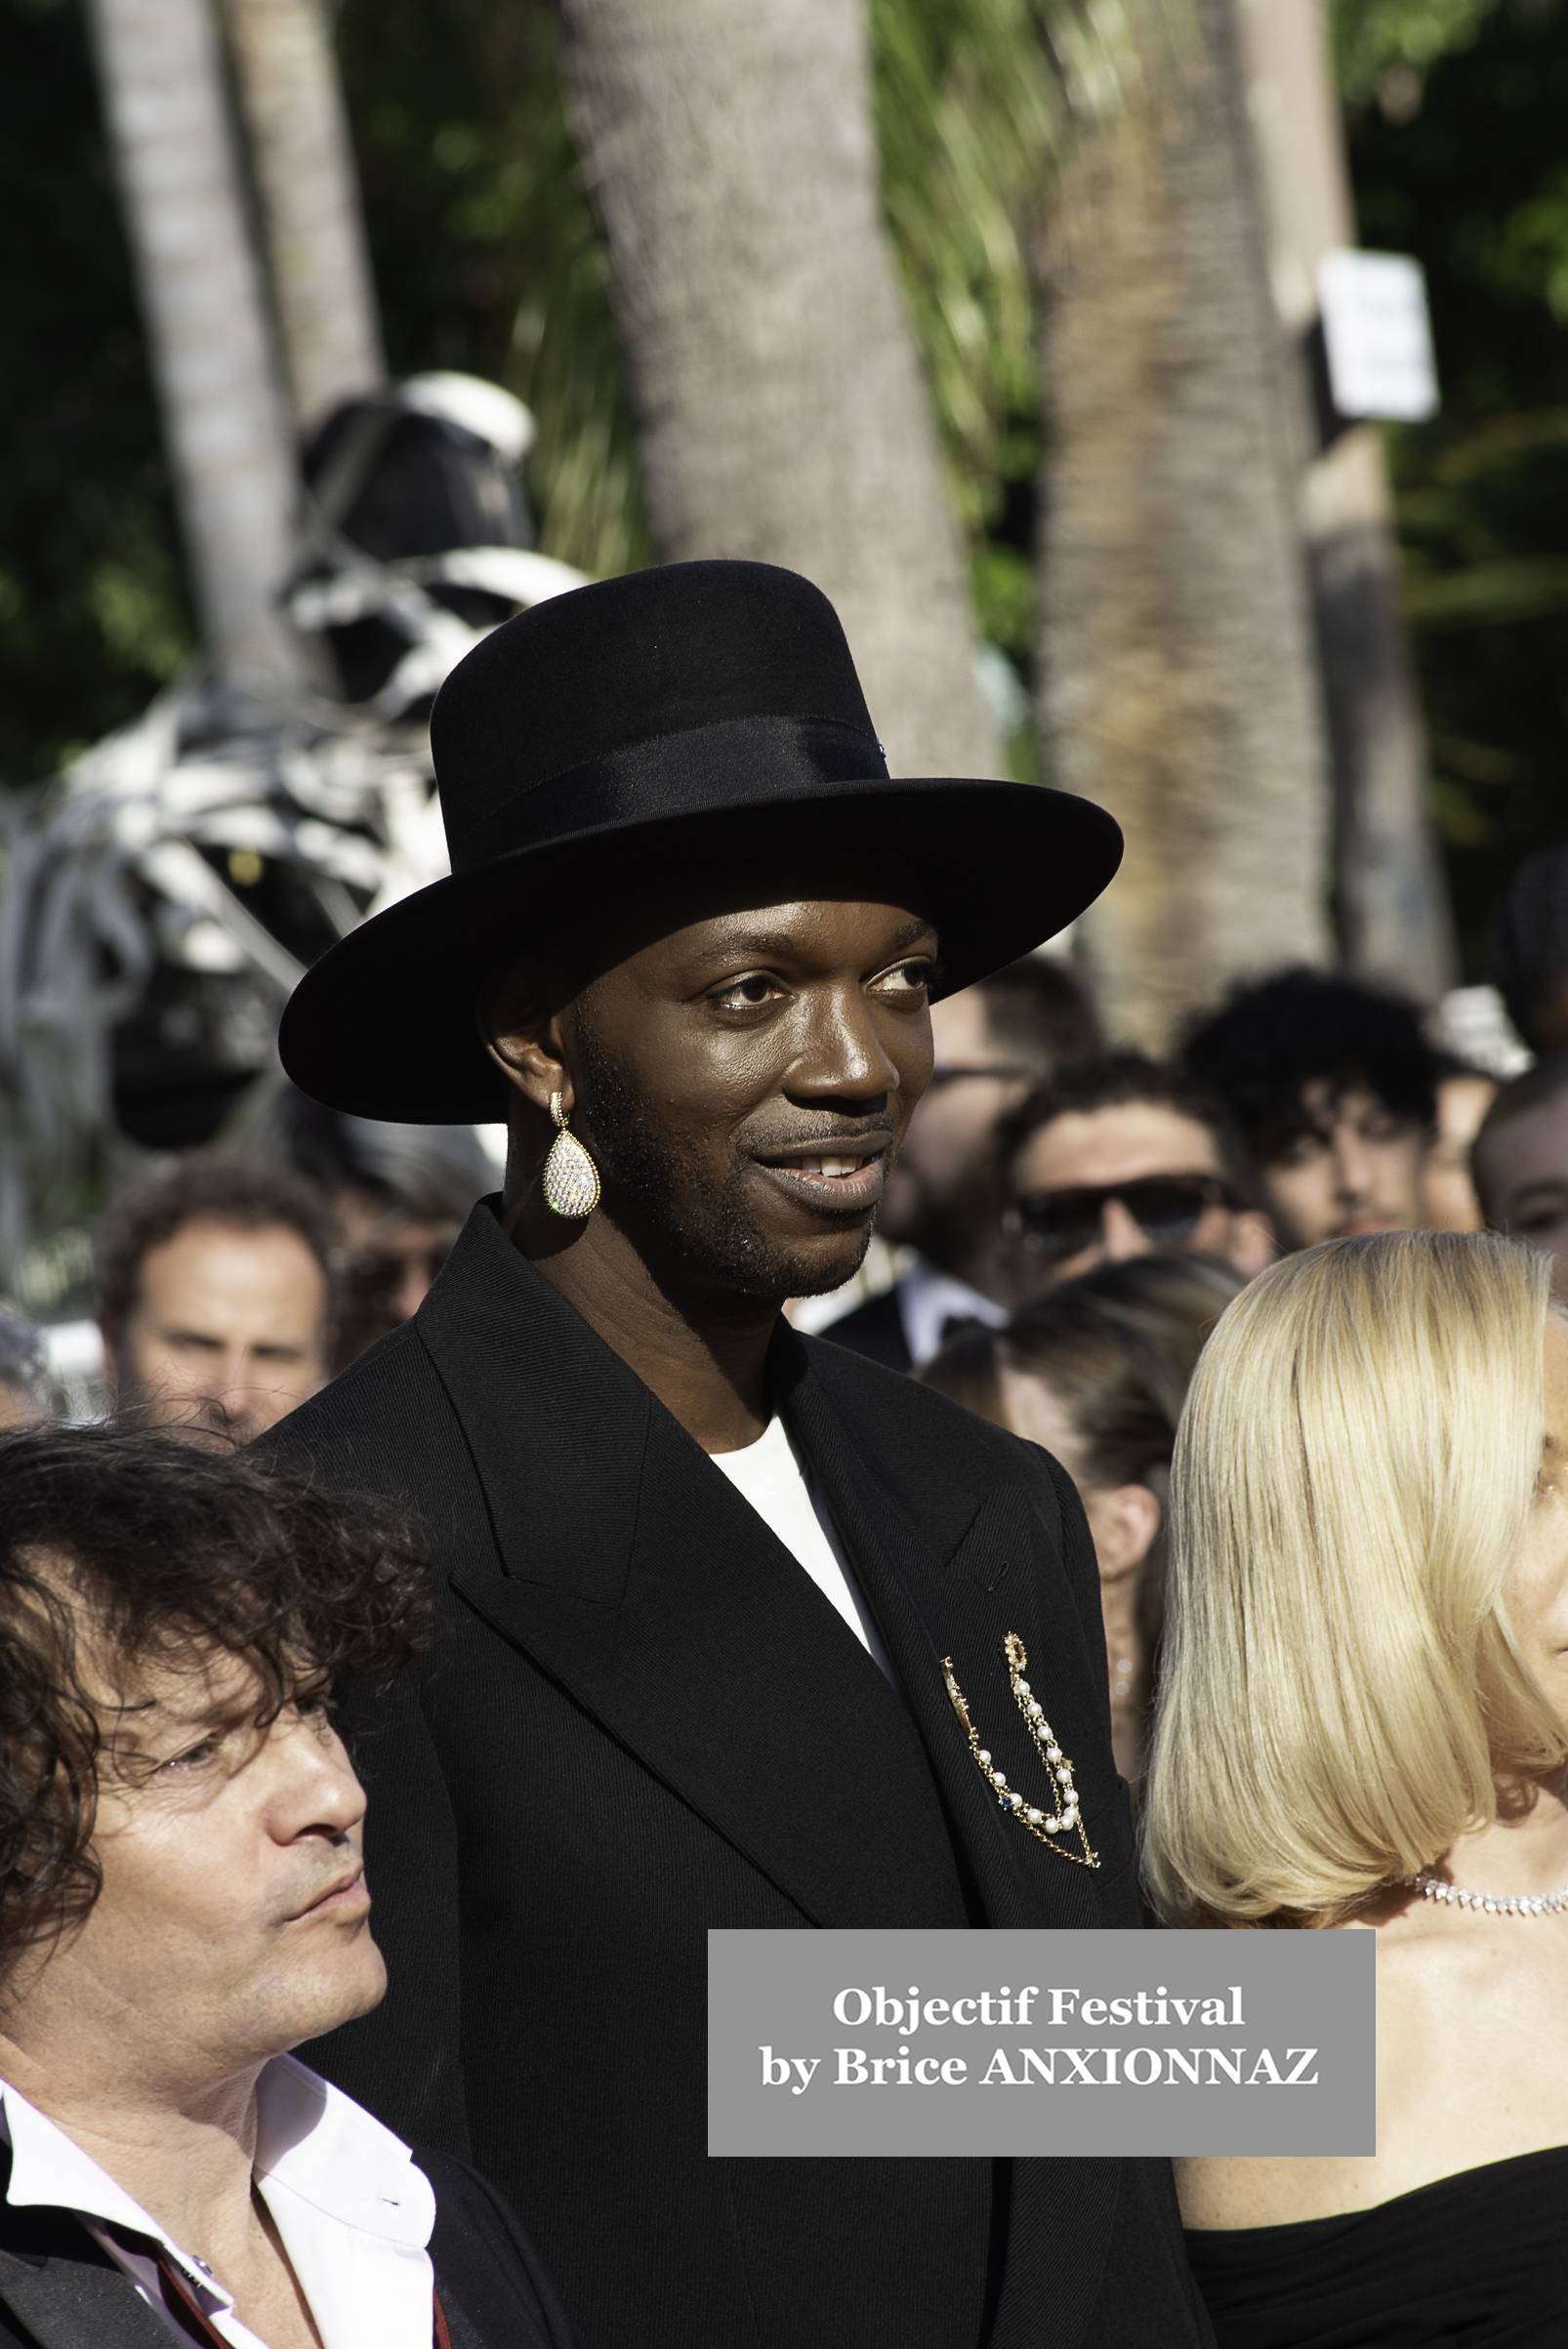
[625, 661]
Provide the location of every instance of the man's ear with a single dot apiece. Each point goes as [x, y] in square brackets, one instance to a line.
[1125, 1521]
[522, 1040]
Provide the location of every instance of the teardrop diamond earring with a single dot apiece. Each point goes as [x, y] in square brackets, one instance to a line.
[571, 1178]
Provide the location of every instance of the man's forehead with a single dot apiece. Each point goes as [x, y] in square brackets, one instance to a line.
[1119, 1141]
[714, 910]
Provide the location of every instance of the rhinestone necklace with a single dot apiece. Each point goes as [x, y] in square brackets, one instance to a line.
[1538, 1903]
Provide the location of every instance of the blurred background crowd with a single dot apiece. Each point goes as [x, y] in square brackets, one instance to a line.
[1174, 401]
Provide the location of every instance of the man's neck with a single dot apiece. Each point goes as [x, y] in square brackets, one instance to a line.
[702, 1351]
[185, 2157]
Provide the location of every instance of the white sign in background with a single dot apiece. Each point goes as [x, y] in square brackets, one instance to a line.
[1377, 336]
[1038, 2042]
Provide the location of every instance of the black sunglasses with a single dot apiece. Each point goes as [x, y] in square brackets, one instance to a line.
[1166, 1209]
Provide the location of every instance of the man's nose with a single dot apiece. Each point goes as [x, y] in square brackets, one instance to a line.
[845, 1057]
[315, 1783]
[1122, 1236]
[1352, 1172]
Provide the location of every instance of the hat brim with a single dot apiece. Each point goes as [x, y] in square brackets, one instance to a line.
[383, 1026]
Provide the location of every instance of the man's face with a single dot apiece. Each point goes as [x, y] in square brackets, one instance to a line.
[1356, 1169]
[390, 1263]
[227, 1335]
[941, 1189]
[742, 1082]
[1525, 1179]
[1080, 1186]
[233, 1917]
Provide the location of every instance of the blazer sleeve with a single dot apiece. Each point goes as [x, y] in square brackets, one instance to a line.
[484, 2261]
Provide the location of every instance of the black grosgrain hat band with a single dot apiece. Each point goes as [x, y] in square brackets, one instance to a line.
[697, 768]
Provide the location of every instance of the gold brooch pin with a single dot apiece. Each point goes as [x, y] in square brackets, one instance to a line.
[1064, 1817]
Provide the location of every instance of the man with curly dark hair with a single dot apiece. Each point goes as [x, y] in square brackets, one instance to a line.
[182, 1900]
[1334, 1087]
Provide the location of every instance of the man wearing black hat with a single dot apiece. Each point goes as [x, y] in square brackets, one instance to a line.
[699, 1576]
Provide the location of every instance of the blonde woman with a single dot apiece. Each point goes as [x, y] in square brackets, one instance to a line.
[1363, 1724]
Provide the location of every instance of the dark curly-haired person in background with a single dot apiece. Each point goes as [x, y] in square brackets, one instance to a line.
[181, 1901]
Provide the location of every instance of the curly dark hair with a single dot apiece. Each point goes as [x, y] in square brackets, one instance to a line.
[1269, 1040]
[164, 1553]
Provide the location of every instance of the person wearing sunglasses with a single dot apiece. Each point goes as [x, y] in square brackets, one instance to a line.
[1123, 1158]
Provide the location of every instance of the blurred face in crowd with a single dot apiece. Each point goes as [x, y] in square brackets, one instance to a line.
[1524, 1169]
[1124, 1524]
[1447, 1194]
[233, 1920]
[941, 1194]
[1356, 1169]
[389, 1263]
[228, 1334]
[1100, 1185]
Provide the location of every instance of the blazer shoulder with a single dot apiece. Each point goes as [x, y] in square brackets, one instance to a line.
[376, 1426]
[906, 1416]
[483, 2254]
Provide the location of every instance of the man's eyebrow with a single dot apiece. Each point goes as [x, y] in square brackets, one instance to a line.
[779, 944]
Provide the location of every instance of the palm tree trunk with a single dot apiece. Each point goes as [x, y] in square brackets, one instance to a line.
[1179, 684]
[304, 163]
[201, 295]
[782, 411]
[1394, 919]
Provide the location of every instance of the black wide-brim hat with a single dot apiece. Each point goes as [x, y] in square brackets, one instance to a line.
[618, 735]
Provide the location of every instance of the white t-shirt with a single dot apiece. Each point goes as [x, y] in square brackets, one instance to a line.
[768, 1476]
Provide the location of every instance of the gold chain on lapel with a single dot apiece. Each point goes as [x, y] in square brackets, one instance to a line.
[1041, 1825]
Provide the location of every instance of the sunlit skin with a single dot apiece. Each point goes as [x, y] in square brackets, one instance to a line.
[1124, 1523]
[942, 1191]
[756, 1043]
[1472, 2010]
[1357, 1169]
[228, 1334]
[232, 1925]
[1524, 1180]
[1085, 1149]
[1448, 1198]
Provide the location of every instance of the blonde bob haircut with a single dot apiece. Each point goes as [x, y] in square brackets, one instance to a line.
[1353, 1475]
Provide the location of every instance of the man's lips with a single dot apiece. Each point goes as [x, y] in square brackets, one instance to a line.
[347, 1895]
[842, 1177]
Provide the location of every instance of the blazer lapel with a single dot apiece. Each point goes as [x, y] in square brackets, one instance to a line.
[70, 2303]
[636, 1576]
[956, 1586]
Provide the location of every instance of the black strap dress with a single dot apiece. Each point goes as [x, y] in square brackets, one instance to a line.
[1475, 2261]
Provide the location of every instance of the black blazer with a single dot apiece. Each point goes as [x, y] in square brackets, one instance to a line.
[644, 1719]
[875, 1329]
[59, 2289]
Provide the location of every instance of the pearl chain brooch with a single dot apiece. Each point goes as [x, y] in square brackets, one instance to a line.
[1065, 1818]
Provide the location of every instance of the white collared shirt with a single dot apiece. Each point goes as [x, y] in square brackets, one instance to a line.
[353, 2212]
[928, 1299]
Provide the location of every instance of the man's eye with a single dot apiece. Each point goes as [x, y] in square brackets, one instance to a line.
[906, 978]
[749, 994]
[193, 1756]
